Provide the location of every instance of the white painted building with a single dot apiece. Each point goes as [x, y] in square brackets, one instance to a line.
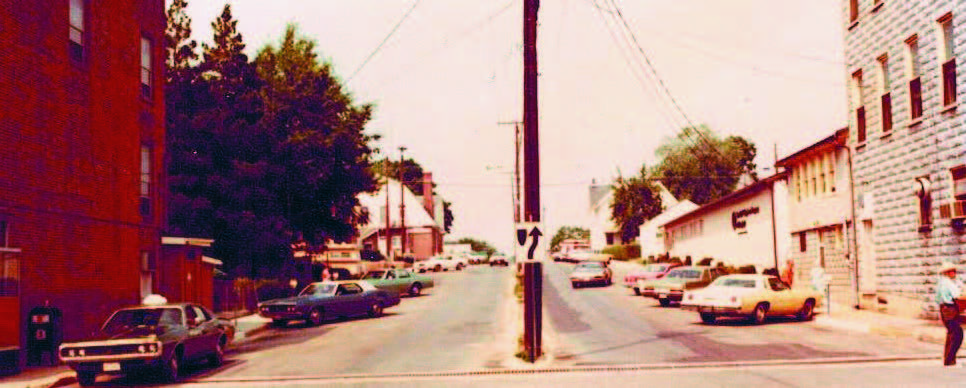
[820, 214]
[652, 234]
[603, 231]
[907, 134]
[737, 229]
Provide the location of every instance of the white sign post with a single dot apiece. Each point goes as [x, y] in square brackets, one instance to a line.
[530, 242]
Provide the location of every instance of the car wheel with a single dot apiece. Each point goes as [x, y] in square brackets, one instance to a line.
[172, 369]
[316, 316]
[665, 302]
[217, 357]
[637, 291]
[86, 379]
[375, 310]
[807, 311]
[415, 290]
[758, 316]
[575, 284]
[280, 322]
[708, 318]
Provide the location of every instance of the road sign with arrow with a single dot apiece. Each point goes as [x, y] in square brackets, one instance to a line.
[529, 241]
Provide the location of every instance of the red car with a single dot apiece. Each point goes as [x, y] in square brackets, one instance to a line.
[649, 272]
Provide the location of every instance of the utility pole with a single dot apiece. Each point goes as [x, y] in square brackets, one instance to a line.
[402, 202]
[515, 183]
[532, 269]
[388, 223]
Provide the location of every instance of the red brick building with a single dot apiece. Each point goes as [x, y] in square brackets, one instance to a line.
[81, 177]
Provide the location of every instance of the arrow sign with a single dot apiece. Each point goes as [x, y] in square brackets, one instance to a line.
[528, 239]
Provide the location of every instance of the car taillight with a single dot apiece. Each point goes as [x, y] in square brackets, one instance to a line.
[690, 296]
[734, 299]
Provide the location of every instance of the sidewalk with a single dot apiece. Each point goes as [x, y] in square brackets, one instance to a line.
[867, 321]
[56, 376]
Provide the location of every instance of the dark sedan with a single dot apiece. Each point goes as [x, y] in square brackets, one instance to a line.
[323, 300]
[163, 337]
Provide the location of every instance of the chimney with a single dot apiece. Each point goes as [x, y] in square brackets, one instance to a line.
[428, 193]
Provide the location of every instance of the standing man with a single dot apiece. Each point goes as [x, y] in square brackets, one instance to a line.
[947, 291]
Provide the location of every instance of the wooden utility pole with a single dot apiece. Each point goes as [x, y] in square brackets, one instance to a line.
[388, 224]
[402, 201]
[532, 269]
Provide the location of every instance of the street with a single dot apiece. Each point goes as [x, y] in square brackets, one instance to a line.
[608, 325]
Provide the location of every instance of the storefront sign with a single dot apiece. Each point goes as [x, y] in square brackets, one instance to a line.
[738, 218]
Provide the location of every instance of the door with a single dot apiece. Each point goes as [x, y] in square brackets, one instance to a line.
[350, 299]
[782, 299]
[401, 280]
[194, 341]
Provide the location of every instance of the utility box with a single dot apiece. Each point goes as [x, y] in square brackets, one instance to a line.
[44, 335]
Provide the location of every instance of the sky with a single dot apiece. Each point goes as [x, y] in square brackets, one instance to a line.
[771, 71]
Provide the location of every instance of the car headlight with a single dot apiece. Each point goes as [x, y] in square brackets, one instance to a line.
[142, 349]
[71, 353]
[80, 352]
[291, 309]
[153, 348]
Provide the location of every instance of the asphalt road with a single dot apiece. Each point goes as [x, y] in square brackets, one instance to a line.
[609, 325]
[452, 326]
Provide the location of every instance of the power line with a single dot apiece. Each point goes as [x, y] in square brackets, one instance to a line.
[384, 40]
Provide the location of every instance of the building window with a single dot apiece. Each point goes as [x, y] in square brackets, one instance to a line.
[146, 75]
[9, 273]
[831, 172]
[886, 86]
[857, 102]
[853, 11]
[76, 44]
[915, 82]
[148, 269]
[4, 233]
[924, 198]
[948, 60]
[959, 182]
[610, 238]
[801, 242]
[145, 189]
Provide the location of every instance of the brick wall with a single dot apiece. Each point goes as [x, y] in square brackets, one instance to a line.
[886, 165]
[72, 131]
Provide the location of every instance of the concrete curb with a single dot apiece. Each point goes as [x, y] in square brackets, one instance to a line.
[924, 334]
[62, 379]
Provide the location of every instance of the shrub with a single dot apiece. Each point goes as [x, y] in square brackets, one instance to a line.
[623, 252]
[268, 289]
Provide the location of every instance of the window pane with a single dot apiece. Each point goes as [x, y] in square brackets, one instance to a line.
[9, 274]
[76, 36]
[948, 38]
[4, 242]
[145, 53]
[77, 14]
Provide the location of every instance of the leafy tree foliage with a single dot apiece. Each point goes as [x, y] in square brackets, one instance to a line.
[448, 216]
[706, 171]
[478, 245]
[568, 232]
[636, 200]
[263, 152]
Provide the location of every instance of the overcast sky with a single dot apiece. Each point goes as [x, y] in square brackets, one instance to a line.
[768, 70]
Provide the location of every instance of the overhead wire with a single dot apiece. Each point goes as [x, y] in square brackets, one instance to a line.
[384, 40]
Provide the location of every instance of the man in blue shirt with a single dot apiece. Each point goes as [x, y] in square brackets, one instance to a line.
[947, 291]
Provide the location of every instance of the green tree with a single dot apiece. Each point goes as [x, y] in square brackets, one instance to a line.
[179, 46]
[705, 171]
[478, 245]
[636, 200]
[568, 232]
[448, 216]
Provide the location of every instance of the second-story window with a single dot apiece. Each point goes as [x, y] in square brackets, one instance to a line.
[948, 59]
[145, 189]
[853, 10]
[831, 171]
[959, 182]
[146, 62]
[915, 82]
[886, 87]
[4, 234]
[857, 102]
[76, 34]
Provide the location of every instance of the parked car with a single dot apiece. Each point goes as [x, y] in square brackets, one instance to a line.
[753, 297]
[649, 272]
[439, 263]
[670, 288]
[399, 281]
[595, 272]
[587, 255]
[157, 335]
[499, 260]
[322, 300]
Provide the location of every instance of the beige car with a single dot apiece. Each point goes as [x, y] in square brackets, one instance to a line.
[751, 296]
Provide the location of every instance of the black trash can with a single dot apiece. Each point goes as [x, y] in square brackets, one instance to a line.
[44, 335]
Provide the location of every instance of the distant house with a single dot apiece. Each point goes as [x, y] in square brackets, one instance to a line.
[603, 231]
[651, 234]
[423, 227]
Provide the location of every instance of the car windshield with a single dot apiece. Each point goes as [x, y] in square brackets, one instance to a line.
[375, 275]
[588, 267]
[655, 268]
[737, 283]
[131, 318]
[319, 289]
[684, 274]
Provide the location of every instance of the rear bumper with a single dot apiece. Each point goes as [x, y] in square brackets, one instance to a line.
[716, 310]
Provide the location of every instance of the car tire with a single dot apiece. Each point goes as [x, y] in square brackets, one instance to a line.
[415, 289]
[316, 316]
[280, 322]
[807, 311]
[665, 302]
[575, 284]
[217, 357]
[708, 318]
[171, 371]
[637, 291]
[758, 316]
[375, 310]
[86, 379]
